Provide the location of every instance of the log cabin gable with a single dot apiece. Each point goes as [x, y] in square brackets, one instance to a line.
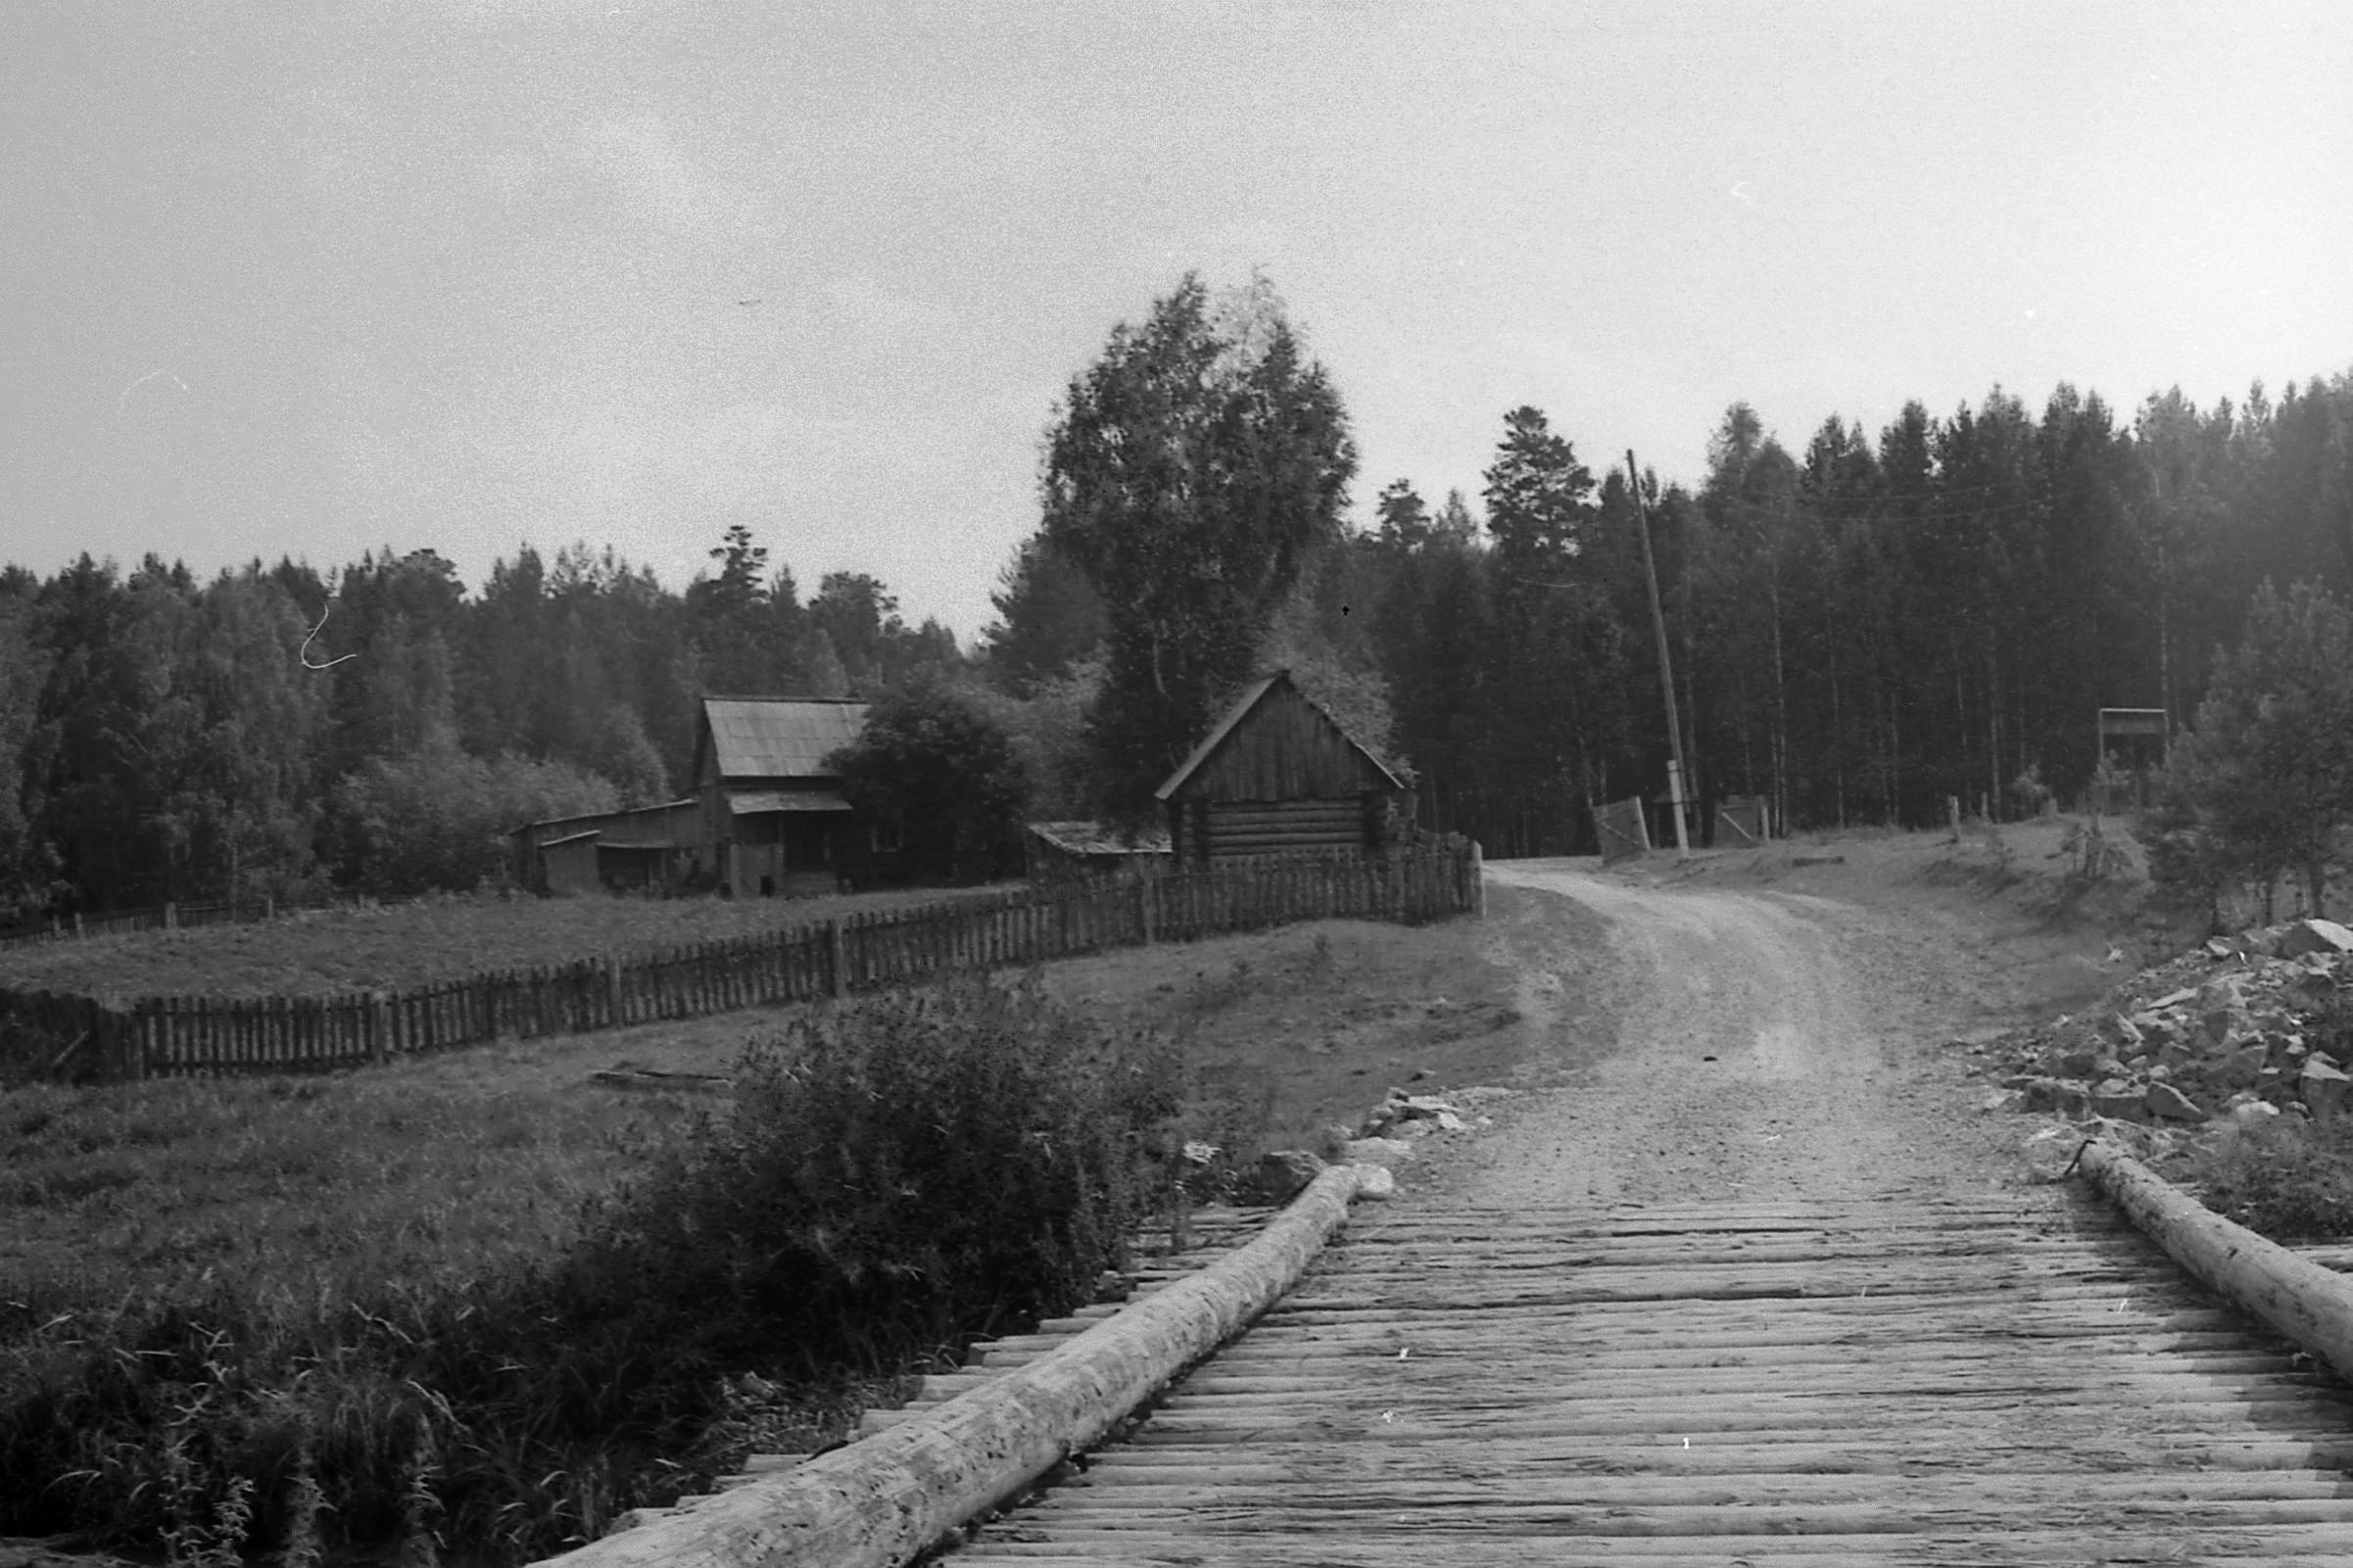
[1275, 744]
[1277, 774]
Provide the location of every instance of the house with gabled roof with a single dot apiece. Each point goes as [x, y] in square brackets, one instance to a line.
[1277, 773]
[773, 818]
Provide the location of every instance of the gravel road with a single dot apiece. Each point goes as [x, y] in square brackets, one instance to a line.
[1737, 1044]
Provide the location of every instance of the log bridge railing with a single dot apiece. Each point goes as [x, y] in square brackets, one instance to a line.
[54, 1034]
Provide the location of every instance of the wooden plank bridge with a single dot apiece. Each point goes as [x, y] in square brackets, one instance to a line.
[2007, 1379]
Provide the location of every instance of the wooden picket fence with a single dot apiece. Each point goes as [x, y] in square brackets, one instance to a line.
[48, 1034]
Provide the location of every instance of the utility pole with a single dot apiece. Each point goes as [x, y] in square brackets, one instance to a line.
[1667, 671]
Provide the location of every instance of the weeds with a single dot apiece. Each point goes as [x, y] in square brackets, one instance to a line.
[2283, 1177]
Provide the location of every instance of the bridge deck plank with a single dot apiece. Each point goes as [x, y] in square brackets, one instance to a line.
[1905, 1381]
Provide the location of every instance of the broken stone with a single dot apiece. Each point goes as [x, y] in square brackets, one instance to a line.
[1415, 1107]
[1284, 1173]
[2187, 993]
[2078, 1062]
[1448, 1122]
[2120, 1100]
[2313, 936]
[2241, 1067]
[2324, 1087]
[1375, 1182]
[2223, 1019]
[2055, 1094]
[2164, 1100]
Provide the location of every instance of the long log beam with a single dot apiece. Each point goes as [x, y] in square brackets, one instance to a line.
[2298, 1299]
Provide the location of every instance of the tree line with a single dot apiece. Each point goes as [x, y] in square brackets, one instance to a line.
[274, 732]
[1861, 628]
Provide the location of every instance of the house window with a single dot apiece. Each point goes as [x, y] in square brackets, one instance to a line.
[884, 837]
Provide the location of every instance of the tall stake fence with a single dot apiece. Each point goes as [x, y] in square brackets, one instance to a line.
[50, 1034]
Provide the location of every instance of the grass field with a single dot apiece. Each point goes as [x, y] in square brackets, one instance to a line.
[319, 952]
[454, 1164]
[298, 1206]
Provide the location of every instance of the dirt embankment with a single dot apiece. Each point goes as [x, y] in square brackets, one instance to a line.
[1780, 1024]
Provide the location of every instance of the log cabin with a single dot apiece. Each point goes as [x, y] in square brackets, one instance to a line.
[1276, 775]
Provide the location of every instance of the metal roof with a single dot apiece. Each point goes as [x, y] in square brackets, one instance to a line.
[751, 802]
[1241, 710]
[780, 737]
[605, 817]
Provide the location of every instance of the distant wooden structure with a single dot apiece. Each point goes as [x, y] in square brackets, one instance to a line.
[1622, 829]
[649, 849]
[1052, 851]
[1277, 773]
[773, 817]
[1742, 822]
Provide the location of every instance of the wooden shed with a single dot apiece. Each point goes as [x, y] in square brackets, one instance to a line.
[1277, 773]
[646, 849]
[774, 817]
[568, 865]
[1061, 851]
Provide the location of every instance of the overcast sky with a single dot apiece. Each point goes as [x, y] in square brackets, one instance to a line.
[312, 278]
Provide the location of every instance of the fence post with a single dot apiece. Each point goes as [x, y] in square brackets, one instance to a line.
[836, 967]
[1479, 883]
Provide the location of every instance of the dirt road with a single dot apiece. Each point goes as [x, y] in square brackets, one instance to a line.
[1759, 1044]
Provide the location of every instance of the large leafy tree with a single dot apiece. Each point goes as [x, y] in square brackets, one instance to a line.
[935, 761]
[1193, 468]
[2266, 782]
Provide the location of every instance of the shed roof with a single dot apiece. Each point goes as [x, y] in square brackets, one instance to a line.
[1100, 838]
[1250, 698]
[778, 738]
[641, 815]
[752, 802]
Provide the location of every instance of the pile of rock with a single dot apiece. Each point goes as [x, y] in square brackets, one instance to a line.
[1384, 1139]
[2236, 1028]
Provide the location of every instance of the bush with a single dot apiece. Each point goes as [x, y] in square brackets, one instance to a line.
[894, 1177]
[935, 761]
[439, 818]
[911, 1172]
[2282, 1177]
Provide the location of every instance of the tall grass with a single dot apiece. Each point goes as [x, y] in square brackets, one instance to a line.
[483, 1357]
